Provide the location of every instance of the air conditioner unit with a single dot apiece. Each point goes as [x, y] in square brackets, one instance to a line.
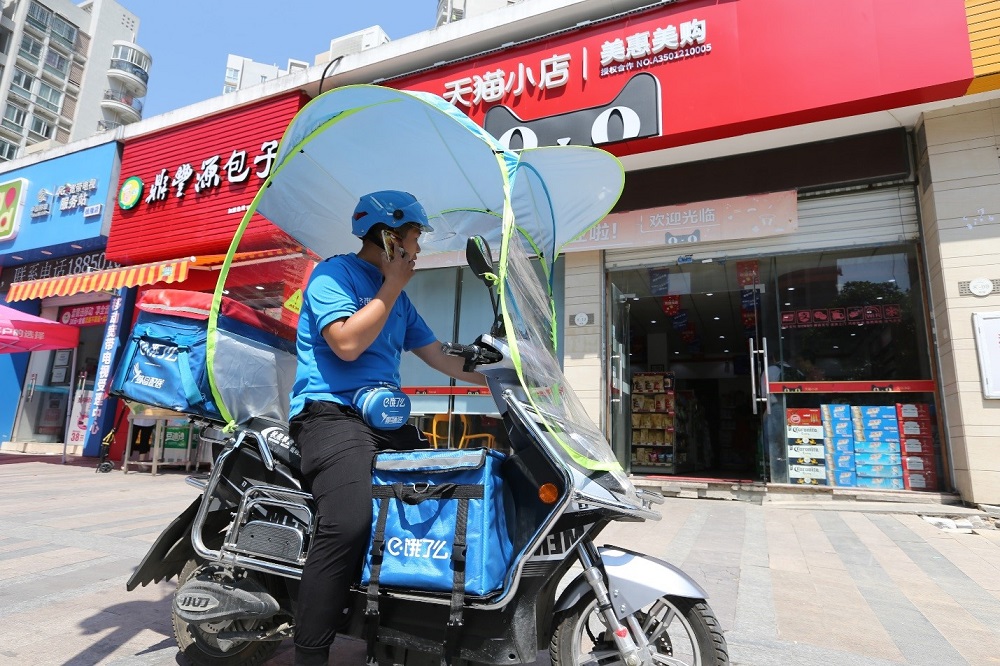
[356, 42]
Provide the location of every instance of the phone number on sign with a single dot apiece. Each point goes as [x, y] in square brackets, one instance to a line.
[640, 63]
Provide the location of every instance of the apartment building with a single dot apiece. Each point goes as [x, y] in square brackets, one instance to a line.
[67, 71]
[243, 72]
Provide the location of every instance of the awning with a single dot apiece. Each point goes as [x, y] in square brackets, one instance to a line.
[21, 332]
[175, 270]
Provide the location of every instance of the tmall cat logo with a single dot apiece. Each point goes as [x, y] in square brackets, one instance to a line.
[633, 114]
[12, 195]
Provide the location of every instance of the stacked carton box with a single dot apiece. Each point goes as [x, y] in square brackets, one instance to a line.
[917, 450]
[806, 453]
[839, 431]
[877, 458]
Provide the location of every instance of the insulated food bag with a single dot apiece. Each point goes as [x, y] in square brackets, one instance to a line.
[439, 522]
[164, 363]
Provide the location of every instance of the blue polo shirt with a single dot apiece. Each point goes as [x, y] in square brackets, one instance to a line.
[339, 287]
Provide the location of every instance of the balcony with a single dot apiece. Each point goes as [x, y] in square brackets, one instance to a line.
[129, 75]
[107, 125]
[9, 130]
[124, 104]
[130, 67]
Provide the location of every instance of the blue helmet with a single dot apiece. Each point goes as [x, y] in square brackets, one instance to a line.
[390, 207]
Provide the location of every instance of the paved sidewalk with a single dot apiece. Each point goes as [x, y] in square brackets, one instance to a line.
[791, 582]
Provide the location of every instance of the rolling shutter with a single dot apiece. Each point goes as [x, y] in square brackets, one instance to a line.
[872, 217]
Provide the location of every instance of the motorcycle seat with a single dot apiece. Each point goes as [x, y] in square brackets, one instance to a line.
[279, 441]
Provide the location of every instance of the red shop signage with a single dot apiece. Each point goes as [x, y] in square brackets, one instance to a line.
[884, 386]
[183, 191]
[93, 314]
[703, 70]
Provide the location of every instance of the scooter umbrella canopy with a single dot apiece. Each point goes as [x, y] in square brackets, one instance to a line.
[355, 140]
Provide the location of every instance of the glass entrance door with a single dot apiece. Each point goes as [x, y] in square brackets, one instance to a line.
[620, 372]
[680, 343]
[45, 400]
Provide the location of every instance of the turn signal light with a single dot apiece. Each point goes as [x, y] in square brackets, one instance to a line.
[548, 493]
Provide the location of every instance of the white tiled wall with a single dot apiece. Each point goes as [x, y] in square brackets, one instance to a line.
[582, 358]
[960, 211]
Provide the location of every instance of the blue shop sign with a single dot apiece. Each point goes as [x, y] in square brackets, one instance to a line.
[65, 201]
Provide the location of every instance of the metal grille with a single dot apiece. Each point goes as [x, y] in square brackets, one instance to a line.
[963, 287]
[269, 540]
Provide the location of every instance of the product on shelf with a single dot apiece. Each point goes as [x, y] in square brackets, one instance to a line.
[653, 420]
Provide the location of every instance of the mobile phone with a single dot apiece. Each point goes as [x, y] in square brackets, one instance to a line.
[389, 241]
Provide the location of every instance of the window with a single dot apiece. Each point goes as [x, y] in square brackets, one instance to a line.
[129, 54]
[49, 97]
[31, 48]
[8, 151]
[13, 117]
[132, 61]
[39, 15]
[228, 89]
[21, 83]
[63, 30]
[852, 316]
[41, 127]
[56, 62]
[232, 74]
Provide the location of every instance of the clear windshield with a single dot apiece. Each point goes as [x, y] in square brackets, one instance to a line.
[528, 320]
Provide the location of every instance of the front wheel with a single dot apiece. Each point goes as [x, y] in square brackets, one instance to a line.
[200, 645]
[680, 632]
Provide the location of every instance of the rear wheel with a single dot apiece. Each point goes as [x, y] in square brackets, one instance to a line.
[681, 632]
[201, 646]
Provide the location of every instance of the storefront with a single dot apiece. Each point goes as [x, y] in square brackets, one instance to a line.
[55, 226]
[724, 263]
[181, 196]
[750, 360]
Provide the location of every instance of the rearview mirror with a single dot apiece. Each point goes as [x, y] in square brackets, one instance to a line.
[478, 255]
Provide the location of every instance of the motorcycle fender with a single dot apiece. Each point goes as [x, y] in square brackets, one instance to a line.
[169, 553]
[635, 580]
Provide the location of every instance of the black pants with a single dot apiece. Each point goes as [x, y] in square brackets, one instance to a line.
[338, 450]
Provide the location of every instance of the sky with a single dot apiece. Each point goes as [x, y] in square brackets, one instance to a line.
[190, 39]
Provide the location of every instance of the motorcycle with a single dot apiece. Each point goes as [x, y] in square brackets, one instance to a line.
[238, 549]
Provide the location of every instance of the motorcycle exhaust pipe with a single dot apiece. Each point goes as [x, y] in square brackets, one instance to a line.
[203, 600]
